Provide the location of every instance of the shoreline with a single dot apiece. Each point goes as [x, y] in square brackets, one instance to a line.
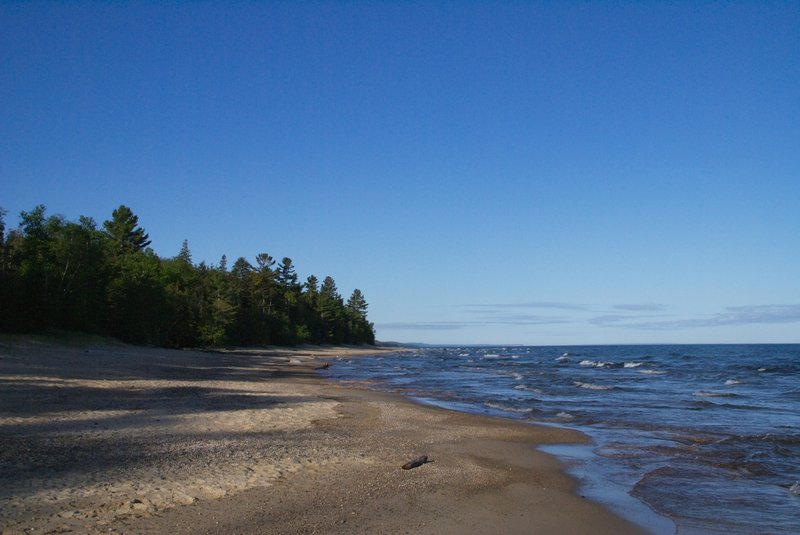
[572, 455]
[123, 439]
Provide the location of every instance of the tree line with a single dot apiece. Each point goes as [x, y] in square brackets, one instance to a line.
[60, 274]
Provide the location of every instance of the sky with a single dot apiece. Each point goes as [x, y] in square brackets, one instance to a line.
[539, 173]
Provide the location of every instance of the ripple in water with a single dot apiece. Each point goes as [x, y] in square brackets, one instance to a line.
[706, 435]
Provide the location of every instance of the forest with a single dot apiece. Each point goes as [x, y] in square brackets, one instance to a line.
[57, 274]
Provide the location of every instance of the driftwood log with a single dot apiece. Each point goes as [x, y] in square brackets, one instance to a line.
[413, 463]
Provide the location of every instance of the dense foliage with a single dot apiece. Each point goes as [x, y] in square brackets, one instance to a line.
[59, 274]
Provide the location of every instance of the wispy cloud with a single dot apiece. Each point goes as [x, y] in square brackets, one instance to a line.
[531, 305]
[631, 316]
[516, 313]
[422, 326]
[480, 321]
[641, 307]
[739, 315]
[519, 319]
[622, 320]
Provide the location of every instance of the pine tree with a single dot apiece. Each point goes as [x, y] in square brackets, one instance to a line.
[331, 310]
[185, 255]
[360, 331]
[137, 295]
[123, 232]
[242, 293]
[184, 296]
[357, 303]
[285, 275]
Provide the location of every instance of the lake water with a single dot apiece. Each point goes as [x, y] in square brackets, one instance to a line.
[687, 439]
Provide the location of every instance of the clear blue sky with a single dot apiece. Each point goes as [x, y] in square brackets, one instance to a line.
[532, 172]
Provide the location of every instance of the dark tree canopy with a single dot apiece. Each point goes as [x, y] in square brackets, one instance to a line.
[57, 274]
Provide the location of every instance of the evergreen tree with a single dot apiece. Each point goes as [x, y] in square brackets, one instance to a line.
[184, 255]
[312, 286]
[243, 329]
[357, 304]
[309, 328]
[360, 331]
[331, 310]
[267, 321]
[286, 276]
[137, 296]
[289, 311]
[126, 237]
[184, 295]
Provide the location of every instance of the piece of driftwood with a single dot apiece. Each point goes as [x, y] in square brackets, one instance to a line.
[324, 366]
[413, 463]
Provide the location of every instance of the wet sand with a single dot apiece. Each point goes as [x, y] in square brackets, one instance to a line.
[104, 437]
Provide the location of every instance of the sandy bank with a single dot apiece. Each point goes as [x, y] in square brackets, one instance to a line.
[121, 439]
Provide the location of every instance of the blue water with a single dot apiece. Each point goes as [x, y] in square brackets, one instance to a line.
[707, 436]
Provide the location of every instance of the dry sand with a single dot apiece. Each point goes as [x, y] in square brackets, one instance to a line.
[105, 437]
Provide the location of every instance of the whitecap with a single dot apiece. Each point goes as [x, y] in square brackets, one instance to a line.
[652, 372]
[565, 415]
[518, 376]
[506, 408]
[762, 369]
[463, 354]
[562, 358]
[731, 382]
[632, 364]
[598, 364]
[590, 386]
[492, 356]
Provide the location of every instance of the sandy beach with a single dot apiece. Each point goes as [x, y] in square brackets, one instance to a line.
[98, 436]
